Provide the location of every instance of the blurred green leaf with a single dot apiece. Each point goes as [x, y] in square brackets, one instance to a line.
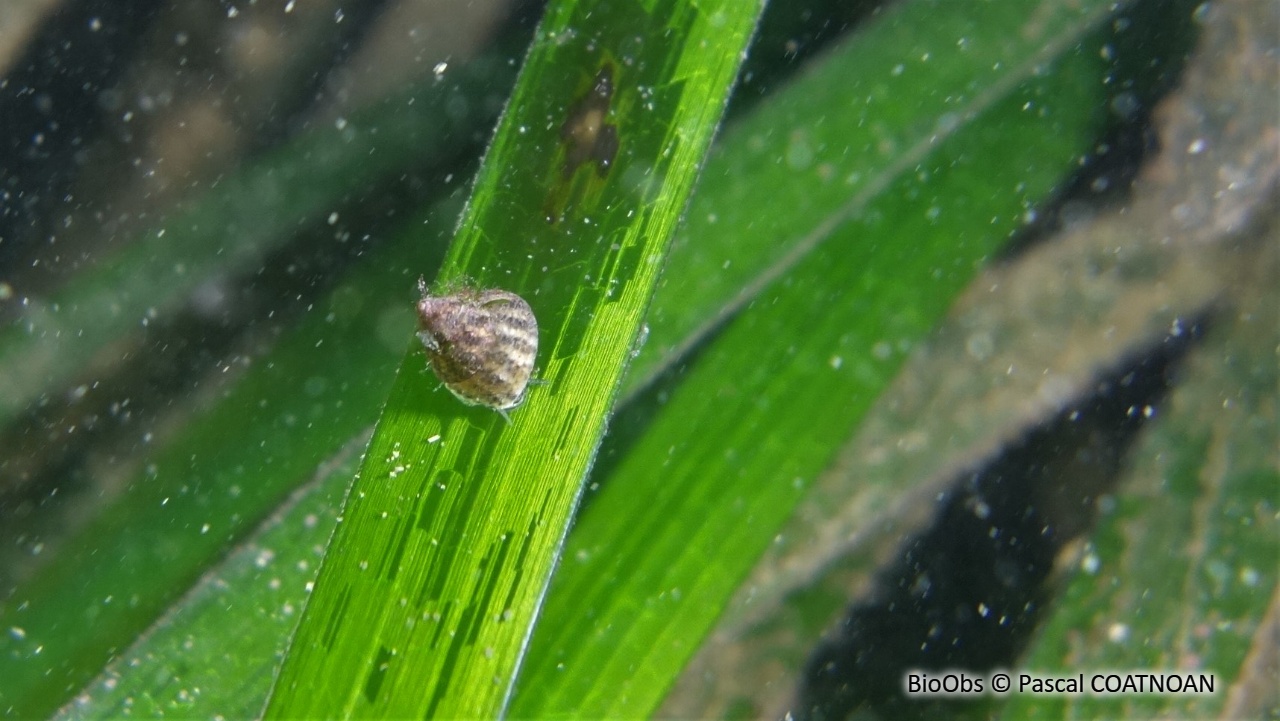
[236, 224]
[1179, 575]
[320, 386]
[863, 117]
[765, 406]
[188, 665]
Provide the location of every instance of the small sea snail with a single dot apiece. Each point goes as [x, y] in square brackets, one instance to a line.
[481, 343]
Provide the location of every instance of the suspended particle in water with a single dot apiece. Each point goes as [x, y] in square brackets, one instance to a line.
[481, 343]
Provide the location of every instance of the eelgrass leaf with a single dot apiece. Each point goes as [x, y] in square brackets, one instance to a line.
[265, 435]
[321, 386]
[187, 664]
[432, 580]
[235, 225]
[1179, 578]
[767, 403]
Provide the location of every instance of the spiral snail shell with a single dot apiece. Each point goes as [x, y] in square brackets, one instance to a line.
[482, 344]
